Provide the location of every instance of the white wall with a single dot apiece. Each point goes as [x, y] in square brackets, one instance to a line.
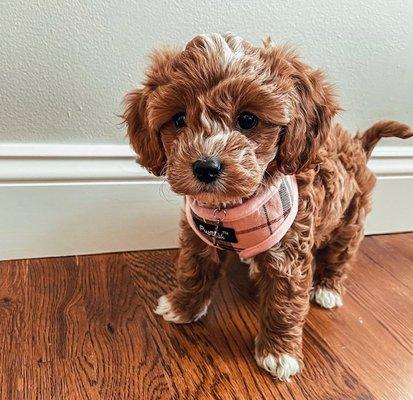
[68, 180]
[65, 64]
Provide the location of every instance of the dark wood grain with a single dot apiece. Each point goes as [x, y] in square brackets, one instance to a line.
[83, 328]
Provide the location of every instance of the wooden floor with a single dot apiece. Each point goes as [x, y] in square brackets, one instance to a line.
[83, 328]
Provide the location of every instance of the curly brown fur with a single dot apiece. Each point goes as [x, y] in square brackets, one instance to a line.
[213, 80]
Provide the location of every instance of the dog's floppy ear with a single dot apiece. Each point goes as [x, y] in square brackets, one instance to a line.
[144, 140]
[313, 106]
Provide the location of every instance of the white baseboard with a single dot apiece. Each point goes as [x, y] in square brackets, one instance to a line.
[81, 199]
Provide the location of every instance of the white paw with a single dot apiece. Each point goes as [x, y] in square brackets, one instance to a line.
[164, 308]
[282, 367]
[326, 298]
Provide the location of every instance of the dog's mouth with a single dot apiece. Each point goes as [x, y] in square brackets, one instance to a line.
[216, 201]
[221, 204]
[220, 196]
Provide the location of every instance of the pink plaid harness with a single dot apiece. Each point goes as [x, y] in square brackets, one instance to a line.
[252, 227]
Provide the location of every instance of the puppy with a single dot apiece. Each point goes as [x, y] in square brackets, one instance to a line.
[246, 134]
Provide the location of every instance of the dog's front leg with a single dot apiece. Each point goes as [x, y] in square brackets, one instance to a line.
[284, 280]
[197, 270]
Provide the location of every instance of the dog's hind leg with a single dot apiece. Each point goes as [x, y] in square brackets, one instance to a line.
[333, 261]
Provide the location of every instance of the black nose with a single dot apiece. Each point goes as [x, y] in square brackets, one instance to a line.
[207, 170]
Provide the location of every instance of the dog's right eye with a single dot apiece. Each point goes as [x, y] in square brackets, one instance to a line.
[179, 120]
[247, 121]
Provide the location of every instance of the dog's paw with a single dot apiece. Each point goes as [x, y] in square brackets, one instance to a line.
[326, 298]
[282, 367]
[165, 309]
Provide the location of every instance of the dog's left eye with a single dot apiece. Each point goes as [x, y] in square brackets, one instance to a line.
[179, 120]
[247, 121]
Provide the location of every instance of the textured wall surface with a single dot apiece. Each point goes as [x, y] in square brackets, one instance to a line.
[65, 65]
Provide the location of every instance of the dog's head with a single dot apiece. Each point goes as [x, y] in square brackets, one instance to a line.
[223, 117]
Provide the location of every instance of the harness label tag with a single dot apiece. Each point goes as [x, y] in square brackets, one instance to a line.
[220, 233]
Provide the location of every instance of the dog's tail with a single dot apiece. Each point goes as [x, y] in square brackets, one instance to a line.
[382, 129]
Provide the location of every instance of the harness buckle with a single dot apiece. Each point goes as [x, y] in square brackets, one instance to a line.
[218, 223]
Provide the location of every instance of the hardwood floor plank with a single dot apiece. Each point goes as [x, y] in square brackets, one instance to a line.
[61, 379]
[392, 308]
[360, 345]
[392, 255]
[126, 364]
[54, 313]
[13, 285]
[366, 346]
